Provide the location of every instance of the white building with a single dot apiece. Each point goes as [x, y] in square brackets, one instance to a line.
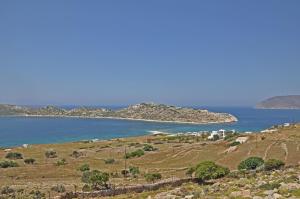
[212, 134]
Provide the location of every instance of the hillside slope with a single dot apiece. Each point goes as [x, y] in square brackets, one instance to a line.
[281, 102]
[143, 111]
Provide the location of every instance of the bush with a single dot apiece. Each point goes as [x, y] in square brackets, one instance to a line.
[125, 172]
[209, 170]
[7, 164]
[61, 162]
[269, 186]
[96, 178]
[59, 188]
[7, 190]
[109, 161]
[273, 164]
[251, 163]
[151, 177]
[84, 167]
[29, 161]
[14, 155]
[137, 153]
[134, 171]
[235, 143]
[149, 147]
[50, 154]
[76, 154]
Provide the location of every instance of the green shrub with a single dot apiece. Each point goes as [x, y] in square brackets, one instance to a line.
[273, 164]
[251, 163]
[61, 162]
[151, 177]
[7, 164]
[59, 188]
[29, 161]
[109, 161]
[14, 155]
[50, 154]
[269, 186]
[235, 143]
[230, 137]
[134, 171]
[209, 170]
[37, 194]
[84, 167]
[149, 147]
[95, 178]
[137, 153]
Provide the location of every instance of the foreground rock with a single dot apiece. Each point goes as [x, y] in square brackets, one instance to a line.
[144, 111]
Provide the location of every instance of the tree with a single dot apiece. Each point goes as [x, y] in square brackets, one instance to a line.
[273, 164]
[152, 177]
[251, 163]
[208, 170]
[95, 178]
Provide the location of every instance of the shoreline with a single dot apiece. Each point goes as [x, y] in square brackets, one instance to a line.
[120, 118]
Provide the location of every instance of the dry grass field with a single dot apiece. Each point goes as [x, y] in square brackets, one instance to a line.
[172, 157]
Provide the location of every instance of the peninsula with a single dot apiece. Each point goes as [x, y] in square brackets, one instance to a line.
[143, 111]
[280, 102]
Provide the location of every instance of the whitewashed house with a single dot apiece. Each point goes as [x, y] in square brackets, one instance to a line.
[212, 134]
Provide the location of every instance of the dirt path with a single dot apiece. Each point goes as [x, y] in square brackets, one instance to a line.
[286, 151]
[267, 149]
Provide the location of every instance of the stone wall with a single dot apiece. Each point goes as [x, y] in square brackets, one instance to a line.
[128, 189]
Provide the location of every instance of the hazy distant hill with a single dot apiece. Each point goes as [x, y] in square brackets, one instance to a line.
[281, 102]
[143, 111]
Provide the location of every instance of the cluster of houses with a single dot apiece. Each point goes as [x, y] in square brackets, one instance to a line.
[220, 134]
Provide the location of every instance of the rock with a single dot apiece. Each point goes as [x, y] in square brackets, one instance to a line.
[276, 196]
[189, 197]
[290, 186]
[243, 193]
[257, 197]
[269, 192]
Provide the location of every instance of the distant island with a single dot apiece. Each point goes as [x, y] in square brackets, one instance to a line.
[280, 102]
[143, 111]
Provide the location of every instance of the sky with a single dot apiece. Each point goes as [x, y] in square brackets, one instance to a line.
[114, 52]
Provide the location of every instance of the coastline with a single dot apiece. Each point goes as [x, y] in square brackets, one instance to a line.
[120, 118]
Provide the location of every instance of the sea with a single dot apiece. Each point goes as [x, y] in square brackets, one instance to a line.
[15, 131]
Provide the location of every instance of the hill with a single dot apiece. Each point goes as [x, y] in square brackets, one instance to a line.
[143, 111]
[172, 157]
[281, 102]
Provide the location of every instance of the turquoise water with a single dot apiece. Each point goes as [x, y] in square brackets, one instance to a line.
[16, 131]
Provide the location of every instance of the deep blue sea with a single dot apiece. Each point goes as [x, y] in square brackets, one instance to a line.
[16, 131]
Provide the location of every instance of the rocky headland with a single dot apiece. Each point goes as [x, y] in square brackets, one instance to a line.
[143, 111]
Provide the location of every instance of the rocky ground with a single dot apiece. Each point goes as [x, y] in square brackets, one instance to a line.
[264, 185]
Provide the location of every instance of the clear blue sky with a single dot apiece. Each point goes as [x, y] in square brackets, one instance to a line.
[220, 53]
